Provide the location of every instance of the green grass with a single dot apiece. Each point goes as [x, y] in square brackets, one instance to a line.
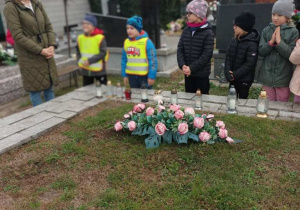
[262, 172]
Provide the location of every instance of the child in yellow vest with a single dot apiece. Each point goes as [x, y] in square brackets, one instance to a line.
[92, 52]
[139, 62]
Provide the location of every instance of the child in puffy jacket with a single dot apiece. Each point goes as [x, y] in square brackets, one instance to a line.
[295, 82]
[276, 45]
[195, 48]
[242, 55]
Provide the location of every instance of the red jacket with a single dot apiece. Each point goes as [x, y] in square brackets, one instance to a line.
[9, 38]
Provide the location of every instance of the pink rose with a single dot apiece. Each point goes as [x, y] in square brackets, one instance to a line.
[130, 113]
[223, 133]
[160, 102]
[183, 128]
[179, 114]
[137, 109]
[118, 126]
[210, 117]
[149, 111]
[229, 140]
[161, 108]
[142, 106]
[174, 107]
[131, 125]
[204, 136]
[160, 128]
[220, 124]
[190, 111]
[126, 116]
[199, 122]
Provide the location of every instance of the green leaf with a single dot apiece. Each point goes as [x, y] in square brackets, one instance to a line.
[168, 136]
[180, 139]
[149, 130]
[137, 131]
[149, 119]
[159, 117]
[153, 141]
[236, 141]
[193, 136]
[210, 142]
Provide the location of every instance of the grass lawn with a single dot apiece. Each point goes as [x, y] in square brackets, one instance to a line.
[84, 164]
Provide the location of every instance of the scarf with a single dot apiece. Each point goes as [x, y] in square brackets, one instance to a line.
[195, 26]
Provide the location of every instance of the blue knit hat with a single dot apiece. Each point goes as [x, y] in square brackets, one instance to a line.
[136, 22]
[92, 19]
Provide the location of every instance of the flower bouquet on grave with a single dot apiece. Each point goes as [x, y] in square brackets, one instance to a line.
[176, 123]
[7, 57]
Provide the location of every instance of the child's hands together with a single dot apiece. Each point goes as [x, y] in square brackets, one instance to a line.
[278, 35]
[186, 70]
[273, 40]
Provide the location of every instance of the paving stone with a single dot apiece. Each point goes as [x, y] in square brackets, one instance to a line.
[43, 127]
[246, 114]
[72, 105]
[188, 96]
[2, 123]
[296, 108]
[88, 88]
[251, 103]
[166, 94]
[273, 113]
[246, 110]
[17, 117]
[45, 106]
[285, 106]
[95, 101]
[34, 120]
[284, 115]
[215, 99]
[211, 107]
[9, 130]
[242, 102]
[12, 142]
[66, 115]
[83, 96]
[63, 98]
[185, 102]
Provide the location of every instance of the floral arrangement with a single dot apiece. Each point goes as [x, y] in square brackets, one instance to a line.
[7, 57]
[176, 123]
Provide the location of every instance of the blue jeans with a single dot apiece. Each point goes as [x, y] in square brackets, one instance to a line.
[36, 98]
[137, 81]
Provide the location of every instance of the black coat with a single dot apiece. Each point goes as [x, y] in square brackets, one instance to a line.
[196, 50]
[242, 57]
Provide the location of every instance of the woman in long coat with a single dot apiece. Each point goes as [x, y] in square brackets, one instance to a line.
[34, 43]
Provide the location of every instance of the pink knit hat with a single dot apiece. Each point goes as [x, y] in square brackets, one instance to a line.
[198, 7]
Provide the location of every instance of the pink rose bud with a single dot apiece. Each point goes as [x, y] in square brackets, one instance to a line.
[131, 125]
[190, 111]
[229, 140]
[137, 109]
[142, 106]
[126, 116]
[179, 114]
[118, 126]
[210, 117]
[183, 128]
[161, 108]
[220, 124]
[160, 128]
[160, 102]
[204, 136]
[174, 107]
[198, 122]
[130, 113]
[149, 111]
[223, 133]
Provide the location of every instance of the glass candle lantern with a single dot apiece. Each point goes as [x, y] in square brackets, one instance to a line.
[198, 100]
[232, 101]
[262, 105]
[119, 90]
[158, 97]
[174, 97]
[98, 90]
[109, 90]
[144, 93]
[128, 94]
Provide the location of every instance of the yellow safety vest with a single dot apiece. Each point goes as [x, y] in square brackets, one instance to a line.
[88, 47]
[137, 61]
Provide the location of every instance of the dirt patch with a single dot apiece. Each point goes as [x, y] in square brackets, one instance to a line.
[6, 201]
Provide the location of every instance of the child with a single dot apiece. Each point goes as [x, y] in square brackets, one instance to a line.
[92, 52]
[139, 62]
[195, 48]
[295, 82]
[242, 54]
[276, 44]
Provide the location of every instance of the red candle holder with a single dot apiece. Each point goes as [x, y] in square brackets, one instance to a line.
[128, 94]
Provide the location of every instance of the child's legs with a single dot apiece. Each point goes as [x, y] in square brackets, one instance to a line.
[36, 98]
[102, 79]
[88, 80]
[244, 88]
[297, 99]
[204, 85]
[283, 94]
[191, 85]
[271, 93]
[137, 81]
[49, 94]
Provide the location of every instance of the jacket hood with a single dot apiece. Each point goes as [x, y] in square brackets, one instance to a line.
[34, 2]
[284, 26]
[143, 34]
[96, 32]
[251, 36]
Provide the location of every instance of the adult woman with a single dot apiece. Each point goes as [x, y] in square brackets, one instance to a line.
[34, 42]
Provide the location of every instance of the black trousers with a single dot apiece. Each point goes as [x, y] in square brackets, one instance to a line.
[192, 84]
[242, 88]
[90, 80]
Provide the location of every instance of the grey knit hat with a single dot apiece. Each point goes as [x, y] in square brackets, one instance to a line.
[284, 8]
